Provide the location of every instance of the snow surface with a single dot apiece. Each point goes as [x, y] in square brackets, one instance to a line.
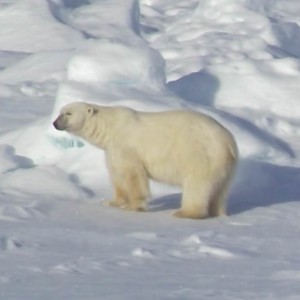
[236, 60]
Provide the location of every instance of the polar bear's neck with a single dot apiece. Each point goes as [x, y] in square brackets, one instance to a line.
[97, 131]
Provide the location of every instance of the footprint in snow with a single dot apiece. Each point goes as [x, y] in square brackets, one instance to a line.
[142, 253]
[80, 266]
[145, 236]
[16, 213]
[196, 245]
[192, 240]
[64, 269]
[215, 251]
[9, 244]
[4, 279]
[287, 275]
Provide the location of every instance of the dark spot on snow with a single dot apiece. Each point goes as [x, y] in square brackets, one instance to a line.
[75, 3]
[199, 87]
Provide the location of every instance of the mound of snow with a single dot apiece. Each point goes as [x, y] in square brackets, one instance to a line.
[30, 30]
[108, 62]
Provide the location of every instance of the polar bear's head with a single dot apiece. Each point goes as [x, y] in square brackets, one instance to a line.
[72, 117]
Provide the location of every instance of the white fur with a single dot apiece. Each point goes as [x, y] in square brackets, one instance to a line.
[177, 147]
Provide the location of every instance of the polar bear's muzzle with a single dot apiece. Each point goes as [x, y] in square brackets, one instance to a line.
[60, 123]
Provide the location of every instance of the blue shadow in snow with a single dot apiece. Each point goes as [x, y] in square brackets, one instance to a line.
[256, 184]
[75, 3]
[260, 184]
[288, 35]
[75, 179]
[263, 135]
[167, 202]
[198, 88]
[20, 161]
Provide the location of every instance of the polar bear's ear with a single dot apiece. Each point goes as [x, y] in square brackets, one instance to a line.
[92, 110]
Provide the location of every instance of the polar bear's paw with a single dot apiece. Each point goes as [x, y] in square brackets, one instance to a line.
[189, 215]
[134, 208]
[179, 214]
[123, 205]
[112, 203]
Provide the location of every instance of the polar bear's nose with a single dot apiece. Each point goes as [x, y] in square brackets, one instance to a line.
[55, 124]
[58, 124]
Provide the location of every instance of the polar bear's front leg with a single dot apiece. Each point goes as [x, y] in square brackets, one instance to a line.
[130, 181]
[133, 196]
[137, 187]
[120, 199]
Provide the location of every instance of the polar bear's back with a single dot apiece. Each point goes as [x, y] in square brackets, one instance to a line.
[185, 127]
[185, 140]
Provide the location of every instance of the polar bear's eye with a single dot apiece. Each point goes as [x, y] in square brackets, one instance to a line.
[68, 114]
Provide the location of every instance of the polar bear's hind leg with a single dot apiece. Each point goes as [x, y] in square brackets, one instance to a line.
[195, 199]
[218, 203]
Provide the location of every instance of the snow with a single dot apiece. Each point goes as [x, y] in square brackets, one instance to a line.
[236, 60]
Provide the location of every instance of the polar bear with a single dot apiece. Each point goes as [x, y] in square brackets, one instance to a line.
[180, 147]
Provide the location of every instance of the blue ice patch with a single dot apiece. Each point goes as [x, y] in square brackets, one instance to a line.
[66, 142]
